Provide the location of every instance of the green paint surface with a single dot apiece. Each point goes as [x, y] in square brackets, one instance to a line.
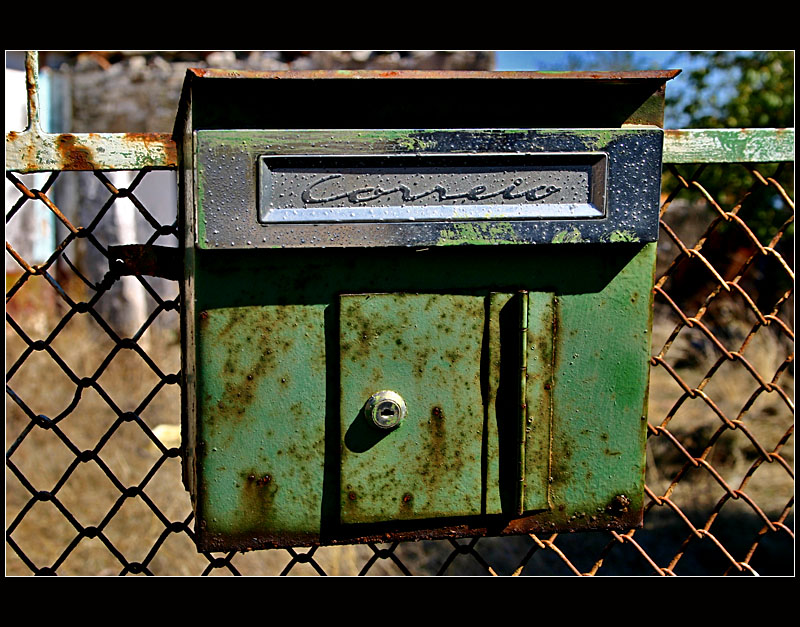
[261, 406]
[538, 416]
[745, 145]
[492, 233]
[567, 236]
[282, 317]
[426, 348]
[601, 360]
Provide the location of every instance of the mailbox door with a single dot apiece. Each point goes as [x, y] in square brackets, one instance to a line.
[427, 349]
[474, 372]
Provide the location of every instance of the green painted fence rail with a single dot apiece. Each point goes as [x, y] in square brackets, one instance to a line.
[35, 151]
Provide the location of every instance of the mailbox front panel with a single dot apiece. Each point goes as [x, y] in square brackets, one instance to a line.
[277, 452]
[261, 399]
[308, 189]
[427, 349]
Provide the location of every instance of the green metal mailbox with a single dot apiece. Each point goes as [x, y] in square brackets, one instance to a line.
[416, 304]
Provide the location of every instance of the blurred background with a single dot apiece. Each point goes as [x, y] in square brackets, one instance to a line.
[93, 479]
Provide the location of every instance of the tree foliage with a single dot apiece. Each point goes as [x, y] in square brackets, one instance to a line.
[742, 89]
[735, 89]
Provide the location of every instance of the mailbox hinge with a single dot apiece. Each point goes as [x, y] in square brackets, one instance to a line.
[522, 421]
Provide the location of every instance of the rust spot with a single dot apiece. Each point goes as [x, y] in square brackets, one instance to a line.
[437, 456]
[618, 505]
[635, 75]
[351, 496]
[74, 156]
[257, 499]
[407, 497]
[163, 141]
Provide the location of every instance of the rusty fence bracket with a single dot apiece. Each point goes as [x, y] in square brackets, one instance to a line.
[158, 261]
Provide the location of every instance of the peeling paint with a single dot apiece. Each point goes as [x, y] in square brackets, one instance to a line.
[414, 144]
[750, 145]
[33, 151]
[477, 234]
[568, 236]
[623, 236]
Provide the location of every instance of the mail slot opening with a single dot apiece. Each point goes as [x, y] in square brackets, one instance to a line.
[404, 188]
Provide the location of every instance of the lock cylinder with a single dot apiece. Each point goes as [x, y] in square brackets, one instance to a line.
[385, 409]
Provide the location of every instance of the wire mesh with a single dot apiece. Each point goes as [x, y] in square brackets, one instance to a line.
[93, 470]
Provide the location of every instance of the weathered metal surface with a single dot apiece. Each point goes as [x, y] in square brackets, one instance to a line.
[275, 313]
[35, 151]
[261, 406]
[742, 145]
[522, 371]
[614, 76]
[540, 336]
[629, 174]
[393, 188]
[31, 152]
[28, 152]
[425, 347]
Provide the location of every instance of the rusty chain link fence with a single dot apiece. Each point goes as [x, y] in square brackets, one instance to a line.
[92, 489]
[93, 479]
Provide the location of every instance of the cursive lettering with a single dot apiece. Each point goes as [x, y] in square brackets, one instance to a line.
[477, 193]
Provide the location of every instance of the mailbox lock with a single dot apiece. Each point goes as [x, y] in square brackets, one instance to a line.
[385, 409]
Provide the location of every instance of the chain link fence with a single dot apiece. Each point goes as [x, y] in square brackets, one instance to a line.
[93, 466]
[93, 479]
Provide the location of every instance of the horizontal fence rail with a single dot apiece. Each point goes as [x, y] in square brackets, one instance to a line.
[35, 151]
[93, 396]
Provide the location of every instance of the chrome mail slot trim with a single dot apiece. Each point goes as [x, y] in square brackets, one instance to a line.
[431, 187]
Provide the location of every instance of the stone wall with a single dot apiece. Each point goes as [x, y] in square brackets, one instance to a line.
[139, 91]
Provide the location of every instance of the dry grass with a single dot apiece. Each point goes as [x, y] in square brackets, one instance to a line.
[729, 386]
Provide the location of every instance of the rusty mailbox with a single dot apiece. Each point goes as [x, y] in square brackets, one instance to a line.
[416, 304]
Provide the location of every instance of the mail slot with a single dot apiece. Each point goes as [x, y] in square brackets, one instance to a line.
[417, 305]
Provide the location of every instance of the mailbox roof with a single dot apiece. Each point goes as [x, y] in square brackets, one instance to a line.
[646, 75]
[403, 99]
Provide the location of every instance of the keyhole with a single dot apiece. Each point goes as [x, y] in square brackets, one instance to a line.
[387, 414]
[388, 410]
